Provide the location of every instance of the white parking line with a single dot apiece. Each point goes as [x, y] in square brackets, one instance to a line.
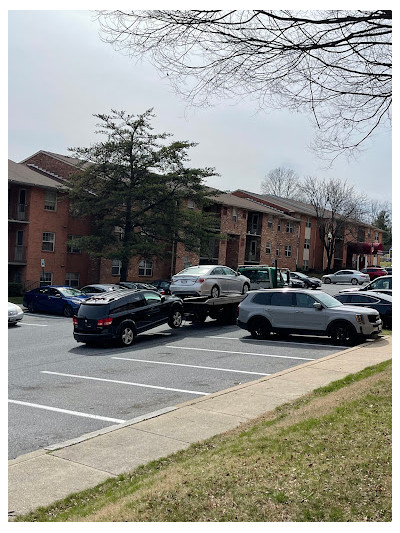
[276, 342]
[38, 325]
[124, 382]
[191, 366]
[241, 353]
[68, 412]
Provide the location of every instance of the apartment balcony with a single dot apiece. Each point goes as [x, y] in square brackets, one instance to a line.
[18, 213]
[17, 255]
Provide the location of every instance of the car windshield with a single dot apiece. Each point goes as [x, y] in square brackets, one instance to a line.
[194, 271]
[71, 292]
[328, 300]
[301, 275]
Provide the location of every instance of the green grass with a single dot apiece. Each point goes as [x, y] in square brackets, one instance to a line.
[325, 457]
[16, 299]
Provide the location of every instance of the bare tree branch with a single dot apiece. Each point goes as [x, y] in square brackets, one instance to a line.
[335, 64]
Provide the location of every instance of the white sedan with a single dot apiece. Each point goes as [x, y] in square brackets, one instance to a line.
[346, 276]
[15, 314]
[209, 280]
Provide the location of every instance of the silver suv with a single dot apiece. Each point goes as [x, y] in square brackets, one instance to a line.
[302, 311]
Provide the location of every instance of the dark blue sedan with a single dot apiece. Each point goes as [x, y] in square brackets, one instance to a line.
[54, 299]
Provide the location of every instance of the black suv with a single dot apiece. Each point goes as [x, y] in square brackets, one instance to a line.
[121, 315]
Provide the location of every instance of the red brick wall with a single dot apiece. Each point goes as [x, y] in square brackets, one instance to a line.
[50, 164]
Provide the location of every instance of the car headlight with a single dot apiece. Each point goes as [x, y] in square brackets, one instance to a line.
[360, 319]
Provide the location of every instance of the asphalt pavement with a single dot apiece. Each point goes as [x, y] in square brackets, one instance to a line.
[53, 472]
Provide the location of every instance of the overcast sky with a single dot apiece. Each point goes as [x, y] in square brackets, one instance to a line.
[60, 74]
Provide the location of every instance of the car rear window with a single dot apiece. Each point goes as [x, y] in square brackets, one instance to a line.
[93, 310]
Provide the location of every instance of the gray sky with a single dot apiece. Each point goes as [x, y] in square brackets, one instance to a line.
[60, 74]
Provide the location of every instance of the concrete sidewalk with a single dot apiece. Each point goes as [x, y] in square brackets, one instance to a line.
[42, 477]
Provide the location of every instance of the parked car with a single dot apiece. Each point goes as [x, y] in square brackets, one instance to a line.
[15, 314]
[98, 288]
[381, 284]
[162, 285]
[54, 299]
[136, 285]
[346, 276]
[309, 283]
[209, 280]
[375, 272]
[263, 276]
[389, 270]
[122, 315]
[302, 311]
[375, 300]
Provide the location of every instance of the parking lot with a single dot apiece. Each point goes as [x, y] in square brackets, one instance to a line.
[59, 389]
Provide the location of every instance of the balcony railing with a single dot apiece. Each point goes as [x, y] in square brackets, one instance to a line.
[19, 212]
[17, 254]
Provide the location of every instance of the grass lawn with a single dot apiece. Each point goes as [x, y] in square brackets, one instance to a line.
[325, 457]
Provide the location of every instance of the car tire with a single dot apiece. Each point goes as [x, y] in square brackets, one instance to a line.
[354, 281]
[68, 311]
[126, 334]
[246, 288]
[31, 307]
[215, 291]
[176, 318]
[327, 280]
[343, 333]
[260, 328]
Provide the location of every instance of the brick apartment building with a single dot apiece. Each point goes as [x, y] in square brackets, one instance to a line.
[256, 229]
[360, 245]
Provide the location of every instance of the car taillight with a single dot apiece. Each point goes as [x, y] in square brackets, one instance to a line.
[201, 280]
[75, 321]
[104, 322]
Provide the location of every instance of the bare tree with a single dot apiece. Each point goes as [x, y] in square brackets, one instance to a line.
[335, 64]
[281, 182]
[338, 208]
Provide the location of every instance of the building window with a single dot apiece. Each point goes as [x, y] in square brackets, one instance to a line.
[119, 233]
[305, 264]
[145, 268]
[376, 236]
[46, 278]
[289, 227]
[308, 222]
[116, 267]
[307, 244]
[279, 225]
[369, 232]
[72, 279]
[50, 200]
[288, 250]
[278, 250]
[48, 241]
[234, 214]
[73, 248]
[270, 222]
[268, 248]
[191, 204]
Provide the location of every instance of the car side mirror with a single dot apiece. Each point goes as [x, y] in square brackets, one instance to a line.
[318, 305]
[162, 298]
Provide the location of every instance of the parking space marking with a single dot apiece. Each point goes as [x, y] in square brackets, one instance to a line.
[68, 412]
[124, 383]
[276, 342]
[191, 366]
[242, 353]
[38, 325]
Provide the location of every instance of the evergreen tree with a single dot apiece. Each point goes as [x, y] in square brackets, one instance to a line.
[134, 187]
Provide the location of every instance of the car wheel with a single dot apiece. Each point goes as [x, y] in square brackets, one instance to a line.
[260, 328]
[327, 280]
[126, 334]
[68, 311]
[246, 288]
[176, 318]
[31, 307]
[343, 333]
[354, 281]
[215, 291]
